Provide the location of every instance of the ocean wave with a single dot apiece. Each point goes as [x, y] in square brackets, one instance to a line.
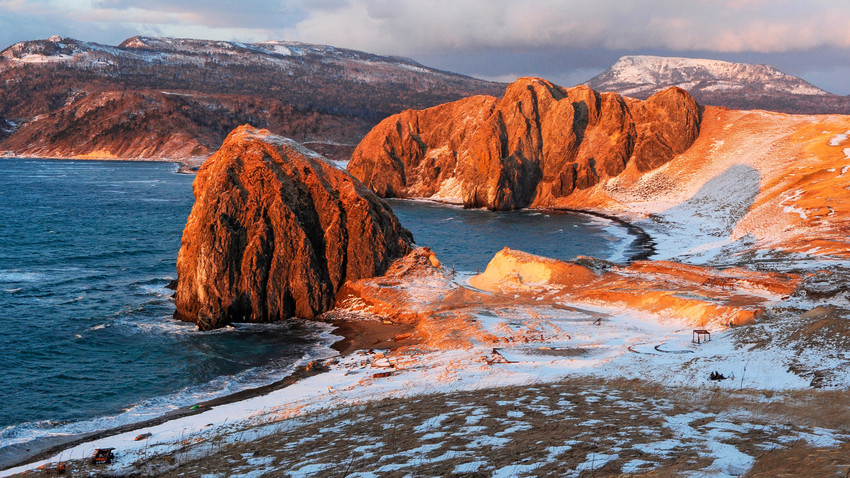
[154, 407]
[20, 276]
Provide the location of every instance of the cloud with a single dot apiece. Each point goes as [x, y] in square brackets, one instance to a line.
[413, 26]
[561, 39]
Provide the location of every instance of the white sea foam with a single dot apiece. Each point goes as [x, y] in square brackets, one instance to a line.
[20, 276]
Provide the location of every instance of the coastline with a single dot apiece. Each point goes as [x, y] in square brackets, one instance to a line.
[182, 165]
[355, 335]
[644, 243]
[538, 341]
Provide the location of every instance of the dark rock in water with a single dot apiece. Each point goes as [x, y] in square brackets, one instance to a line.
[172, 285]
[535, 146]
[275, 232]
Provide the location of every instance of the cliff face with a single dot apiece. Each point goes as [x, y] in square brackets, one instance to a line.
[275, 232]
[536, 145]
[108, 125]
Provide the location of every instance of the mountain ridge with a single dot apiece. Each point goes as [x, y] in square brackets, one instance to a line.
[719, 83]
[173, 99]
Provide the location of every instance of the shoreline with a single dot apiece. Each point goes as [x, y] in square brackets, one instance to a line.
[643, 246]
[182, 165]
[355, 335]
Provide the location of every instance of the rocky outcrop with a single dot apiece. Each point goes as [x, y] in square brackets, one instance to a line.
[699, 296]
[275, 232]
[537, 144]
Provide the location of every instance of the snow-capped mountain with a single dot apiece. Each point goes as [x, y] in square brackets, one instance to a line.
[174, 98]
[184, 51]
[639, 75]
[722, 83]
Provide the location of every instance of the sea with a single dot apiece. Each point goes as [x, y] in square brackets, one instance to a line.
[87, 249]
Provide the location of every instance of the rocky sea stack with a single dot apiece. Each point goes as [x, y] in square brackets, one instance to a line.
[274, 233]
[537, 144]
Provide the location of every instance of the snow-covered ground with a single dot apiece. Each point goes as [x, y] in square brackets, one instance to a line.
[550, 343]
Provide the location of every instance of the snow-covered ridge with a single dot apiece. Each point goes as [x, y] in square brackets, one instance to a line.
[641, 74]
[57, 49]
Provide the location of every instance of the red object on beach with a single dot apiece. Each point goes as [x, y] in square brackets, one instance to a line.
[102, 456]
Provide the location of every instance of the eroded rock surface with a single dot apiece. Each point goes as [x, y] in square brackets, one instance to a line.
[275, 232]
[536, 145]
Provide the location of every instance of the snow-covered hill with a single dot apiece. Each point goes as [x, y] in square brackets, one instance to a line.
[638, 75]
[721, 83]
[145, 96]
[184, 51]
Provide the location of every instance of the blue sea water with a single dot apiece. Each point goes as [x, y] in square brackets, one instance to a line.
[88, 341]
[88, 338]
[467, 239]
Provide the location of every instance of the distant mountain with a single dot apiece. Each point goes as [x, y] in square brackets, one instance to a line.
[720, 83]
[165, 98]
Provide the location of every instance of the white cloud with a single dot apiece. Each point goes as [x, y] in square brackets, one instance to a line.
[414, 26]
[564, 40]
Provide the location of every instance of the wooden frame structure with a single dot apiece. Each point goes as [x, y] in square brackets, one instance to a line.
[700, 335]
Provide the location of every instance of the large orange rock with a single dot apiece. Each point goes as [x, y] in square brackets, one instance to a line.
[537, 144]
[275, 232]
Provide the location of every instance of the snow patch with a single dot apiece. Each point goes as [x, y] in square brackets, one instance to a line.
[838, 138]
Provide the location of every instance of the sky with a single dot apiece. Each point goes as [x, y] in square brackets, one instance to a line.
[565, 41]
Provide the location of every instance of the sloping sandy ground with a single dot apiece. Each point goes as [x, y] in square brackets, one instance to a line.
[579, 427]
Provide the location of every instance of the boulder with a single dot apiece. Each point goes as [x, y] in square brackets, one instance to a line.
[275, 232]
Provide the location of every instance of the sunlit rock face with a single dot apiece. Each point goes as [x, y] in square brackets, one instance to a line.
[695, 295]
[536, 145]
[275, 232]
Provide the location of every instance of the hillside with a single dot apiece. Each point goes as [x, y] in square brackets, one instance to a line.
[719, 83]
[163, 98]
